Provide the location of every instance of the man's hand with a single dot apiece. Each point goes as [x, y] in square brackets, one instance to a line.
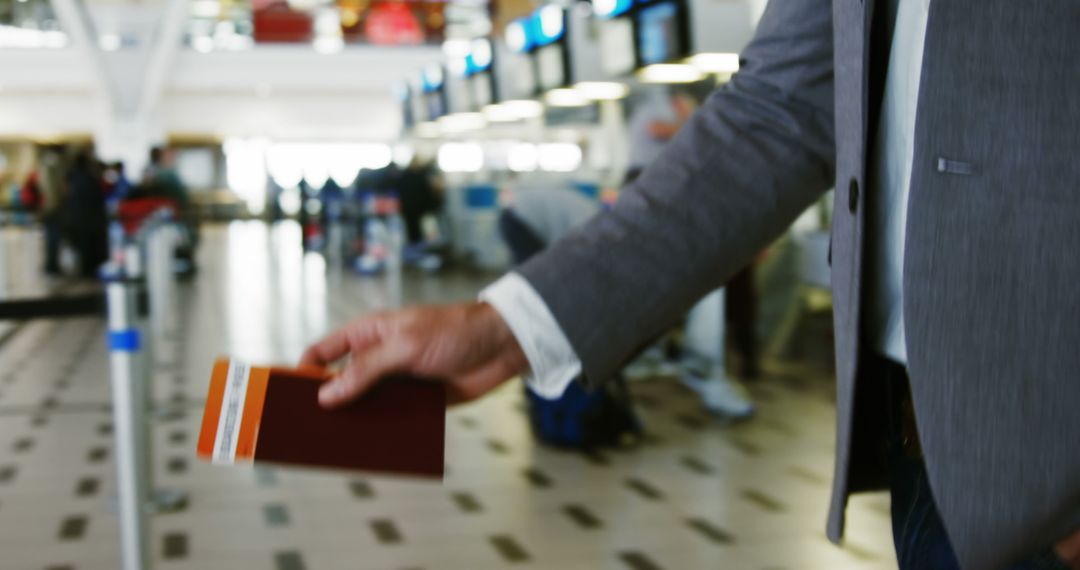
[467, 346]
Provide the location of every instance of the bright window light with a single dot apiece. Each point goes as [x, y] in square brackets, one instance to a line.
[202, 44]
[511, 111]
[316, 173]
[602, 90]
[716, 62]
[522, 157]
[245, 171]
[559, 157]
[670, 73]
[461, 157]
[403, 154]
[109, 42]
[610, 8]
[286, 166]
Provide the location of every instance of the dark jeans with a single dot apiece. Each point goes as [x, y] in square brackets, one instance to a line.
[519, 237]
[918, 532]
[53, 235]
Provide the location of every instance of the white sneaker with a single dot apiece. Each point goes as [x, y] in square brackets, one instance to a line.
[720, 395]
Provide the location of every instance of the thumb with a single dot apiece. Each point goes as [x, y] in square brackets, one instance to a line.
[364, 371]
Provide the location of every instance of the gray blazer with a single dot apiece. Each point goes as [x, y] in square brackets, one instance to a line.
[992, 271]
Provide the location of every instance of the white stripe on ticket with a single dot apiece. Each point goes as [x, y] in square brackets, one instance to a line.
[232, 412]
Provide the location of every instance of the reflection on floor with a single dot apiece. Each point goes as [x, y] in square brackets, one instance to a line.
[697, 495]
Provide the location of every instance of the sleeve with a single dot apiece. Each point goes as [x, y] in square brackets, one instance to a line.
[552, 361]
[754, 156]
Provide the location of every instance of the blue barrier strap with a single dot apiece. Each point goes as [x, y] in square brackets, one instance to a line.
[124, 341]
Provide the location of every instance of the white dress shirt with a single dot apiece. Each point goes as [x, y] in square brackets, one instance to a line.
[552, 361]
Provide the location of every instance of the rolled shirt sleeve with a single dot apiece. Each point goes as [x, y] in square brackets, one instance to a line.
[553, 364]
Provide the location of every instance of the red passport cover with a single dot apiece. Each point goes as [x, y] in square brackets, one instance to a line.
[273, 415]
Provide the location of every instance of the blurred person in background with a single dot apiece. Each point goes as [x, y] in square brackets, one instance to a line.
[161, 180]
[538, 213]
[84, 213]
[50, 182]
[656, 117]
[420, 192]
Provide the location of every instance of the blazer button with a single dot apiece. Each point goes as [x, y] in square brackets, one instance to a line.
[853, 196]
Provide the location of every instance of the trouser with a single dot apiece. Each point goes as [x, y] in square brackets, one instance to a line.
[918, 531]
[53, 236]
[519, 237]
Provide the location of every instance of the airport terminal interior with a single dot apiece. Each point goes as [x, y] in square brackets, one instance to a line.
[188, 180]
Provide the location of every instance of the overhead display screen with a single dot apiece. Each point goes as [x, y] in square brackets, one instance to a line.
[551, 66]
[522, 76]
[616, 40]
[659, 33]
[482, 89]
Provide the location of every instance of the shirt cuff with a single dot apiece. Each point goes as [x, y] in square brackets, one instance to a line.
[552, 361]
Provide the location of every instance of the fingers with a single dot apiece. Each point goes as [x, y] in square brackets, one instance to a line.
[364, 370]
[352, 337]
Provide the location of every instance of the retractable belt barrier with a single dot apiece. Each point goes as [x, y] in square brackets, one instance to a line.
[138, 299]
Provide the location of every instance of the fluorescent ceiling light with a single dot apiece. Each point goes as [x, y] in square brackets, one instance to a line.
[602, 90]
[511, 111]
[457, 66]
[524, 108]
[566, 98]
[481, 52]
[456, 48]
[428, 130]
[462, 122]
[516, 36]
[499, 113]
[551, 21]
[716, 62]
[670, 73]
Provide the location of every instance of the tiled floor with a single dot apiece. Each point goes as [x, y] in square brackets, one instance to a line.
[697, 495]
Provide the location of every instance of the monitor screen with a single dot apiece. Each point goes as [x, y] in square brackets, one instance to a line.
[658, 33]
[436, 104]
[616, 39]
[551, 66]
[482, 89]
[521, 77]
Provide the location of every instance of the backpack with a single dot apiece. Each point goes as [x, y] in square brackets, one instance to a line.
[585, 419]
[30, 194]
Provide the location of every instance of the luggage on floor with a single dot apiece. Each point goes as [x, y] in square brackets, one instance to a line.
[584, 419]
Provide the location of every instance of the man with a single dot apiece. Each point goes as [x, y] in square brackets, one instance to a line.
[950, 129]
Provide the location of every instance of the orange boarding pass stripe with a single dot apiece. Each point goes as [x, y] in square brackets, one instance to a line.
[252, 417]
[212, 414]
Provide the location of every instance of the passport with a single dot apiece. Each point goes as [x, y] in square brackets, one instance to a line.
[272, 415]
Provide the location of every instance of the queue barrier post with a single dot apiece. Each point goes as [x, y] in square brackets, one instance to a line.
[125, 342]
